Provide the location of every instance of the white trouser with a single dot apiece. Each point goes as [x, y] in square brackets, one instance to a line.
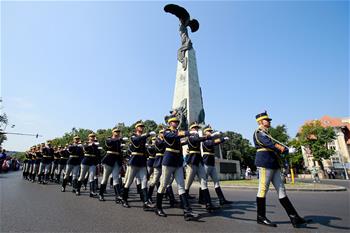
[107, 170]
[84, 170]
[170, 173]
[191, 172]
[266, 176]
[138, 172]
[74, 169]
[211, 171]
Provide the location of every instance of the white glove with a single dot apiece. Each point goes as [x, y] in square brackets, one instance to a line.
[152, 133]
[216, 133]
[125, 138]
[194, 132]
[122, 145]
[226, 138]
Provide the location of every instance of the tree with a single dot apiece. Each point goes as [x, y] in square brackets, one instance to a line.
[3, 123]
[279, 133]
[238, 148]
[296, 159]
[316, 138]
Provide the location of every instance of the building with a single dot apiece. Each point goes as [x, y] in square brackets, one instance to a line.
[341, 158]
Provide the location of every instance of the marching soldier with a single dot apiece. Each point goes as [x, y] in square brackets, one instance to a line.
[76, 153]
[26, 165]
[172, 166]
[112, 163]
[267, 161]
[151, 152]
[46, 161]
[54, 164]
[64, 155]
[137, 165]
[38, 158]
[195, 167]
[209, 161]
[88, 164]
[157, 164]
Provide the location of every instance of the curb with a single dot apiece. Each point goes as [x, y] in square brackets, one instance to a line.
[335, 189]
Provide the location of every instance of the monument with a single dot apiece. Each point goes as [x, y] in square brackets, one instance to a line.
[187, 100]
[187, 94]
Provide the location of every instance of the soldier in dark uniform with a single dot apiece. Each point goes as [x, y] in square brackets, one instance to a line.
[32, 159]
[46, 162]
[64, 155]
[89, 163]
[112, 163]
[172, 166]
[138, 165]
[76, 153]
[38, 158]
[54, 164]
[151, 153]
[195, 166]
[159, 147]
[267, 160]
[209, 161]
[26, 165]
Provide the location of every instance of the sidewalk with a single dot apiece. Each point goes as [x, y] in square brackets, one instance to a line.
[298, 186]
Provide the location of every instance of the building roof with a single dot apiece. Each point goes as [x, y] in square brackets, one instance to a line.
[327, 121]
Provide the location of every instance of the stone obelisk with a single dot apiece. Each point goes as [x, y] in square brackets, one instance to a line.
[187, 94]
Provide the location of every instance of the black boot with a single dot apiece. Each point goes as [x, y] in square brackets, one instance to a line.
[138, 188]
[147, 206]
[92, 189]
[159, 208]
[58, 176]
[201, 199]
[64, 183]
[150, 193]
[295, 219]
[111, 182]
[208, 204]
[33, 177]
[117, 192]
[261, 210]
[74, 185]
[188, 214]
[125, 198]
[51, 177]
[221, 197]
[96, 184]
[188, 195]
[77, 191]
[85, 183]
[170, 193]
[45, 179]
[102, 190]
[70, 180]
[39, 179]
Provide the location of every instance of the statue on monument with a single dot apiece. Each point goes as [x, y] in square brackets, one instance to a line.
[185, 21]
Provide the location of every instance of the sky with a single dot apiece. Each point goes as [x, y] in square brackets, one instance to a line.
[93, 64]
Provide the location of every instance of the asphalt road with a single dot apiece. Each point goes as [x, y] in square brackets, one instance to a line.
[28, 207]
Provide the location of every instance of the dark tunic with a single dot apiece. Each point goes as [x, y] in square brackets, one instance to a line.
[114, 152]
[209, 150]
[138, 156]
[160, 149]
[173, 153]
[76, 152]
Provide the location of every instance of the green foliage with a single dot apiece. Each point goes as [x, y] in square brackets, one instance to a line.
[3, 122]
[316, 137]
[279, 133]
[296, 159]
[238, 148]
[19, 155]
